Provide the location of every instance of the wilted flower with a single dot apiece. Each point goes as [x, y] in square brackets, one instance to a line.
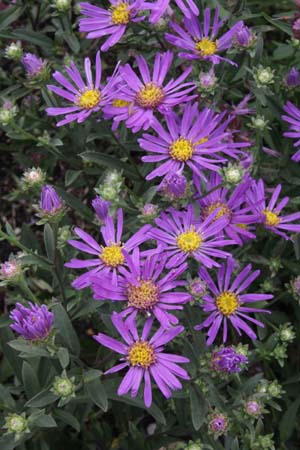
[14, 51]
[33, 65]
[292, 79]
[33, 323]
[218, 424]
[50, 203]
[33, 177]
[149, 210]
[197, 287]
[101, 208]
[227, 359]
[207, 81]
[253, 408]
[7, 112]
[10, 270]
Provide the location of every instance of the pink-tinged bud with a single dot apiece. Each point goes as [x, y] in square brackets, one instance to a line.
[50, 202]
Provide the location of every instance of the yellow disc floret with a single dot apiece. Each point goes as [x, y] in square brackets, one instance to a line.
[141, 354]
[181, 149]
[189, 241]
[206, 47]
[143, 296]
[227, 303]
[89, 99]
[272, 218]
[112, 255]
[150, 96]
[224, 210]
[118, 103]
[120, 13]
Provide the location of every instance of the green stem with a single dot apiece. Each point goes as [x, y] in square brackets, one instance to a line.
[56, 265]
[26, 290]
[209, 192]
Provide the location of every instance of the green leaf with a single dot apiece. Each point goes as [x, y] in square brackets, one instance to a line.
[6, 335]
[109, 161]
[65, 327]
[49, 241]
[41, 399]
[35, 260]
[280, 25]
[91, 375]
[289, 420]
[28, 350]
[9, 15]
[198, 407]
[6, 400]
[39, 39]
[68, 418]
[76, 204]
[63, 356]
[30, 380]
[45, 421]
[97, 393]
[71, 176]
[8, 442]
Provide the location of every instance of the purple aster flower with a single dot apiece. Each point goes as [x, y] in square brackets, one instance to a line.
[228, 360]
[145, 358]
[243, 36]
[200, 41]
[232, 205]
[101, 207]
[33, 323]
[270, 213]
[150, 94]
[195, 140]
[110, 22]
[108, 258]
[293, 119]
[50, 201]
[226, 302]
[144, 288]
[218, 424]
[292, 79]
[173, 185]
[182, 235]
[85, 97]
[33, 64]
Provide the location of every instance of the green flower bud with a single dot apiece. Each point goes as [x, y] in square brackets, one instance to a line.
[259, 123]
[15, 423]
[264, 76]
[64, 387]
[14, 51]
[62, 5]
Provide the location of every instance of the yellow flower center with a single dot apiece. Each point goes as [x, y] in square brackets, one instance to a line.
[89, 99]
[150, 96]
[201, 141]
[227, 303]
[206, 47]
[189, 241]
[272, 218]
[141, 354]
[112, 255]
[118, 103]
[181, 149]
[224, 210]
[120, 14]
[144, 296]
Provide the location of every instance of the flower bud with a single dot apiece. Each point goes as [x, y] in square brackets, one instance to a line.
[264, 76]
[101, 208]
[207, 81]
[197, 288]
[35, 67]
[244, 37]
[14, 51]
[62, 5]
[7, 113]
[33, 177]
[194, 445]
[173, 185]
[218, 425]
[148, 212]
[228, 360]
[50, 203]
[286, 333]
[259, 123]
[64, 387]
[16, 424]
[10, 270]
[33, 323]
[233, 174]
[253, 408]
[292, 79]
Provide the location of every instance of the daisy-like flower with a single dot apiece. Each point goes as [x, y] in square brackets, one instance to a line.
[226, 300]
[196, 140]
[110, 22]
[144, 358]
[270, 212]
[145, 289]
[85, 97]
[33, 323]
[234, 206]
[201, 41]
[292, 117]
[110, 257]
[150, 94]
[182, 235]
